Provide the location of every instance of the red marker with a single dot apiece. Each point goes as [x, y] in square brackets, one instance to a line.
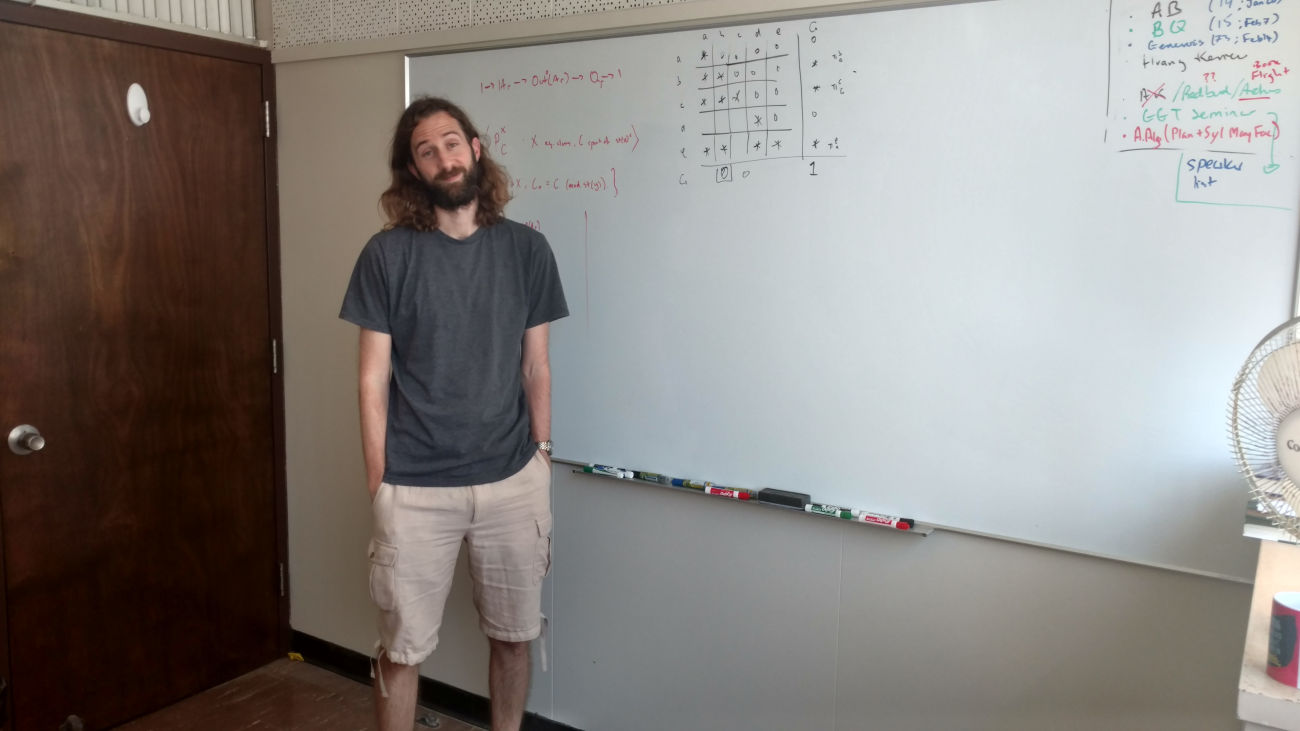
[863, 516]
[727, 492]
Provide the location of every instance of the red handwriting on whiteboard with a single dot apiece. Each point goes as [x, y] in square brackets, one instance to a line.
[591, 143]
[549, 78]
[1269, 70]
[567, 184]
[497, 138]
[1208, 134]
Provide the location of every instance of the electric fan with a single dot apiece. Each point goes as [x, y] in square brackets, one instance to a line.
[1264, 425]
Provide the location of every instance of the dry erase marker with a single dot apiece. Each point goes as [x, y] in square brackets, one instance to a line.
[727, 492]
[832, 510]
[697, 484]
[601, 469]
[652, 477]
[863, 516]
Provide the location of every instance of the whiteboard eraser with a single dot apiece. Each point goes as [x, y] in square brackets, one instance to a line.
[783, 497]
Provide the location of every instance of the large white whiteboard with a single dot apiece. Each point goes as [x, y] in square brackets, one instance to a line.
[995, 305]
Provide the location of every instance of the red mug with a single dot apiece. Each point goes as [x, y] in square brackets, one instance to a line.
[1284, 639]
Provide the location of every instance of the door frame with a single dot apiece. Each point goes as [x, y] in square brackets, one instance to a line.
[126, 32]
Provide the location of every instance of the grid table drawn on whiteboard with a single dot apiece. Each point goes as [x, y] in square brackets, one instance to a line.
[750, 101]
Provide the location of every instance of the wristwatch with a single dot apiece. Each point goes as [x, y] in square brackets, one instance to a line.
[545, 447]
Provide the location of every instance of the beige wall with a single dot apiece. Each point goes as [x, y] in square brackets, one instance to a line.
[333, 119]
[652, 624]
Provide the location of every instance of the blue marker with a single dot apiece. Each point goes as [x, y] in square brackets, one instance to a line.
[697, 484]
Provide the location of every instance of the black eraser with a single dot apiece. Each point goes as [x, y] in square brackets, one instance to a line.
[783, 497]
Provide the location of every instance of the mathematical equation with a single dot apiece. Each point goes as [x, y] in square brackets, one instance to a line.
[759, 94]
[604, 183]
[504, 144]
[534, 156]
[549, 78]
[1211, 78]
[590, 143]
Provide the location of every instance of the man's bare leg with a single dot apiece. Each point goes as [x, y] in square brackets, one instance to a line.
[397, 711]
[508, 669]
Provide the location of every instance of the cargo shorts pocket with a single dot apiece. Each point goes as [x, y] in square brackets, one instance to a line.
[542, 561]
[383, 574]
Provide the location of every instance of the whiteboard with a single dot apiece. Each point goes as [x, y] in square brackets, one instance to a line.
[970, 264]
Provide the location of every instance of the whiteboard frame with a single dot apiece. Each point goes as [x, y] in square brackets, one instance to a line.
[792, 14]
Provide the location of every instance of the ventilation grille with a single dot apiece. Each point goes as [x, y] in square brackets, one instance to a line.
[307, 22]
[227, 19]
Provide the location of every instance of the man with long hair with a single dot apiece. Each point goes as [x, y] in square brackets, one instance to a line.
[454, 303]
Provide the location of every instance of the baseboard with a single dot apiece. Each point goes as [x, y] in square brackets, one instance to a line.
[446, 699]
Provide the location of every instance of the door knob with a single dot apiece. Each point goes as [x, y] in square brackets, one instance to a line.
[25, 439]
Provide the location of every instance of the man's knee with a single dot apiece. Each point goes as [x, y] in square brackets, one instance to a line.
[388, 664]
[511, 649]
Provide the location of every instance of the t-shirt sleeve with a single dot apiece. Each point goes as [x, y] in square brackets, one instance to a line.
[546, 301]
[366, 301]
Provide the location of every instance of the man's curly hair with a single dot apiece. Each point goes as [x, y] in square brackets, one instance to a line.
[407, 203]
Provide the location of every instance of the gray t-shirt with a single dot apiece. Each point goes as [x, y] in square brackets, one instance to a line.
[456, 311]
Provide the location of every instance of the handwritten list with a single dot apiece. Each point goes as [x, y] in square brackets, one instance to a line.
[1212, 84]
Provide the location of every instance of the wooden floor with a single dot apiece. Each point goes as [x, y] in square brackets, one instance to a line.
[286, 695]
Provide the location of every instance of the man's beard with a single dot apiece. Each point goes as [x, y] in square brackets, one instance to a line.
[451, 196]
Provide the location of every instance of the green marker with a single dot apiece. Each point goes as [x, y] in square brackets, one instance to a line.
[831, 510]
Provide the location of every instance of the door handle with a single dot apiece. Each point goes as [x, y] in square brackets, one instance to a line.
[25, 439]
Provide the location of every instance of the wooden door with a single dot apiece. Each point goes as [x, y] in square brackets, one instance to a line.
[139, 546]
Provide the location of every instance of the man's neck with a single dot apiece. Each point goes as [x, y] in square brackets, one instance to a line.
[458, 224]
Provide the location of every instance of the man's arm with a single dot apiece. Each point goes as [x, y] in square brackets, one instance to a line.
[374, 371]
[536, 365]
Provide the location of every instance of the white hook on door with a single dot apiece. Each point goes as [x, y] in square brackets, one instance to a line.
[137, 105]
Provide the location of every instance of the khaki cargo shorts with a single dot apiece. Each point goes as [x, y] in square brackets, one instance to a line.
[418, 532]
